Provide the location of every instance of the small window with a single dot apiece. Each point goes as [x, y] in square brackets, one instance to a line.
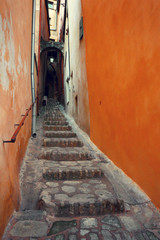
[50, 4]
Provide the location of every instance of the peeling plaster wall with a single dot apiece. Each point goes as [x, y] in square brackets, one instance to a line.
[76, 88]
[15, 92]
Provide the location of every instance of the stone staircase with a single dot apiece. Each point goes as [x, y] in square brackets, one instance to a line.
[74, 184]
[71, 191]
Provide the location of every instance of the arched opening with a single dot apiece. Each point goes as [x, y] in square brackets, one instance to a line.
[54, 86]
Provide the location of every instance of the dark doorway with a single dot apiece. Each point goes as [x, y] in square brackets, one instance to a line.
[54, 87]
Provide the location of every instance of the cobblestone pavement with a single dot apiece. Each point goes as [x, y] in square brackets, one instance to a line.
[70, 190]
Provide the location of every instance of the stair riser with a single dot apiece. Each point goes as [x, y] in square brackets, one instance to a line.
[53, 115]
[65, 157]
[72, 175]
[57, 128]
[87, 209]
[60, 119]
[60, 135]
[63, 144]
[59, 123]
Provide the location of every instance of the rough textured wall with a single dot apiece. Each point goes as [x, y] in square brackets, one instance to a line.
[15, 92]
[77, 91]
[123, 70]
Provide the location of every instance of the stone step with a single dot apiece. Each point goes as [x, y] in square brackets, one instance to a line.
[62, 142]
[63, 154]
[54, 119]
[63, 123]
[71, 173]
[54, 115]
[61, 134]
[79, 198]
[57, 128]
[29, 215]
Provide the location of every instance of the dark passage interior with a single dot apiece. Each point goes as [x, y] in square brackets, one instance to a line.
[54, 87]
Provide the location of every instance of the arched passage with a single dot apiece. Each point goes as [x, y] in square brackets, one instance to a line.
[54, 86]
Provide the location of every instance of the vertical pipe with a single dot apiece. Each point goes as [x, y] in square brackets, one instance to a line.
[39, 60]
[32, 72]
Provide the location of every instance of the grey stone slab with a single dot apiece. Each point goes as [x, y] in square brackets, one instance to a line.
[29, 228]
[29, 215]
[60, 226]
[95, 181]
[72, 182]
[85, 185]
[141, 236]
[93, 236]
[83, 232]
[108, 227]
[59, 237]
[88, 223]
[107, 235]
[73, 230]
[52, 184]
[130, 223]
[61, 197]
[119, 236]
[68, 189]
[72, 237]
[112, 221]
[104, 194]
[101, 186]
[85, 190]
[94, 230]
[151, 235]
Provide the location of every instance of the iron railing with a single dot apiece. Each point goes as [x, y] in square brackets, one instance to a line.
[14, 136]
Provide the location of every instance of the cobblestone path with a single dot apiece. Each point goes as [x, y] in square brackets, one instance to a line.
[71, 191]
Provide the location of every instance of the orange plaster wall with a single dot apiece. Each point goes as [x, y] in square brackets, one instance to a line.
[123, 70]
[15, 92]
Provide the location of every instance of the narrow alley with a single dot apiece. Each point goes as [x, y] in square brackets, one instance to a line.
[79, 120]
[70, 190]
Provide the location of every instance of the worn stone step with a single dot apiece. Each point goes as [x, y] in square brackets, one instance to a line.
[54, 115]
[63, 154]
[57, 128]
[29, 215]
[61, 134]
[80, 198]
[59, 123]
[62, 142]
[71, 173]
[54, 118]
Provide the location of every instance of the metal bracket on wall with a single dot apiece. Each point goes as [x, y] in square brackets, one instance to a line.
[81, 28]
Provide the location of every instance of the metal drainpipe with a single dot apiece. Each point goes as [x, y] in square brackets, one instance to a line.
[32, 72]
[39, 59]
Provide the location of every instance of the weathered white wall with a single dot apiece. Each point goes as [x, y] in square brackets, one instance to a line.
[76, 91]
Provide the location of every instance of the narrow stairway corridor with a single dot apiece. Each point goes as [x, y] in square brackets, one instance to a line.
[70, 190]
